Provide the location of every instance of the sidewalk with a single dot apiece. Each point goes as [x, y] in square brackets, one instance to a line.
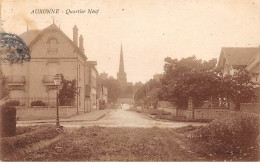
[91, 116]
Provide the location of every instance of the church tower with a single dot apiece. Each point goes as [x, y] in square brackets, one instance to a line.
[121, 75]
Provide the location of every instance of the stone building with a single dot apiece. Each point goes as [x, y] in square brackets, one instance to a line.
[52, 52]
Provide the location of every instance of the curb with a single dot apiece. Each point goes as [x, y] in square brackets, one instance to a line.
[102, 116]
[154, 118]
[61, 121]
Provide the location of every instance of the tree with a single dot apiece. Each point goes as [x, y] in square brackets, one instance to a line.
[113, 89]
[148, 92]
[200, 80]
[188, 77]
[238, 88]
[68, 91]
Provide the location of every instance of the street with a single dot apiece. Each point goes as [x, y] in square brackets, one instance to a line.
[115, 118]
[124, 118]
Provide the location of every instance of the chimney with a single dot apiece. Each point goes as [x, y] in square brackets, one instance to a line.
[75, 35]
[81, 43]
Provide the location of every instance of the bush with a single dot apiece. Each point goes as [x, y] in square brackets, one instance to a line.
[12, 103]
[8, 121]
[232, 135]
[38, 103]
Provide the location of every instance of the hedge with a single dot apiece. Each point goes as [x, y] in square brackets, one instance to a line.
[230, 135]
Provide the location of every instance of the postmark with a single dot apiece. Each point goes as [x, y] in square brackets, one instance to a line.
[13, 49]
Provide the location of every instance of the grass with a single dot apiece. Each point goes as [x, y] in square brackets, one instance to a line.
[25, 137]
[129, 144]
[117, 144]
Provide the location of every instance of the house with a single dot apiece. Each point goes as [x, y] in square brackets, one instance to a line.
[52, 52]
[91, 75]
[233, 58]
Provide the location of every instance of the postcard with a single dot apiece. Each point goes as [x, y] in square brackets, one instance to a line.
[130, 80]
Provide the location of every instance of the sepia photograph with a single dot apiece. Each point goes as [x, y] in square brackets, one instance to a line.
[130, 81]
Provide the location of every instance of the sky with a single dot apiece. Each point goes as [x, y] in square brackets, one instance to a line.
[149, 30]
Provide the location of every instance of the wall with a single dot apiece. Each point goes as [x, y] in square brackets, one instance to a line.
[139, 108]
[206, 113]
[250, 107]
[44, 113]
[212, 113]
[172, 110]
[185, 113]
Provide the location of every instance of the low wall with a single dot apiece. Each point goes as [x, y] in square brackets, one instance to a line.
[172, 110]
[185, 113]
[206, 113]
[166, 104]
[211, 113]
[139, 108]
[44, 113]
[250, 107]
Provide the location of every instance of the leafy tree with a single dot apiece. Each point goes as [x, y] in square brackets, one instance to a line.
[147, 93]
[188, 77]
[238, 88]
[200, 80]
[113, 89]
[140, 92]
[68, 91]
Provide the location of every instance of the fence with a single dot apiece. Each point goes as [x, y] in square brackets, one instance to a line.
[49, 102]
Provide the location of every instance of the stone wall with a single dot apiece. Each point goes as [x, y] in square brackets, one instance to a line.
[44, 113]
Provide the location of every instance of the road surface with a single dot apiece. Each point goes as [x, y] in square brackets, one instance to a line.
[124, 118]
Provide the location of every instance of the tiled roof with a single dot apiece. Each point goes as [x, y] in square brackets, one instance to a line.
[240, 56]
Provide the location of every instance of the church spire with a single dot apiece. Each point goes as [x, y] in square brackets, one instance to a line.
[121, 65]
[121, 75]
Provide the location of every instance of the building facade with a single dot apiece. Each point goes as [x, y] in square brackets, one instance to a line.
[91, 75]
[52, 52]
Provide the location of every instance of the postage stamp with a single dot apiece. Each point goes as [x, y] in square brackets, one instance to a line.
[13, 49]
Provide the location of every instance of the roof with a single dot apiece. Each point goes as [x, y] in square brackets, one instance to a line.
[29, 35]
[238, 55]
